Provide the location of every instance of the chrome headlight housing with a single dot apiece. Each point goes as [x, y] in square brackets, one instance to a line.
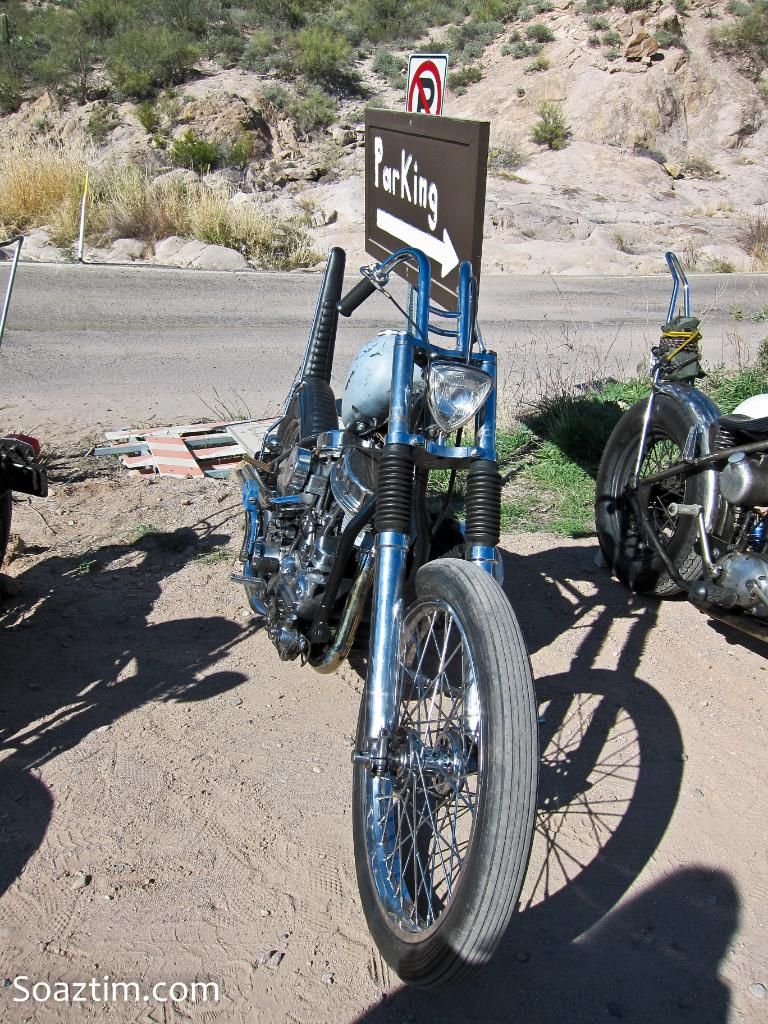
[455, 392]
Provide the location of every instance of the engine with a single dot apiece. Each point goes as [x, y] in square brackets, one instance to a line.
[292, 531]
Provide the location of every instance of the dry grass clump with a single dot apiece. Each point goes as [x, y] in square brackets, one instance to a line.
[42, 184]
[36, 180]
[754, 237]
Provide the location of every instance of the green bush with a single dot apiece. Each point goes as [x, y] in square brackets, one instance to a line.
[611, 39]
[260, 53]
[103, 118]
[323, 56]
[10, 91]
[387, 65]
[312, 110]
[140, 60]
[598, 23]
[551, 130]
[188, 150]
[747, 39]
[464, 77]
[540, 64]
[665, 39]
[148, 117]
[539, 33]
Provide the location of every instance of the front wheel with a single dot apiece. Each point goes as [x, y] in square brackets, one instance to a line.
[621, 536]
[442, 839]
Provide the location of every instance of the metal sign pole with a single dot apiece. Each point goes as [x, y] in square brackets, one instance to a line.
[18, 241]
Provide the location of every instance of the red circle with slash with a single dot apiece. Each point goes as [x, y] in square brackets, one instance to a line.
[433, 103]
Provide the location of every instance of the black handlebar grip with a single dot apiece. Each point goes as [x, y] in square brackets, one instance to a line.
[362, 291]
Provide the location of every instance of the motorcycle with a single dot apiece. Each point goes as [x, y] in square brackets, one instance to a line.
[342, 553]
[682, 490]
[20, 469]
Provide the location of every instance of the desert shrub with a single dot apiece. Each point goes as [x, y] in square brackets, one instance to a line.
[551, 130]
[699, 167]
[260, 53]
[652, 154]
[612, 54]
[388, 66]
[464, 76]
[103, 118]
[593, 41]
[541, 63]
[10, 91]
[720, 265]
[148, 117]
[539, 33]
[324, 57]
[747, 39]
[141, 60]
[188, 150]
[225, 44]
[636, 5]
[753, 235]
[239, 153]
[70, 54]
[311, 110]
[611, 39]
[522, 49]
[598, 23]
[666, 39]
[506, 154]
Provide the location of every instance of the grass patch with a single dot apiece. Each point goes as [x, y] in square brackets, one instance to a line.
[550, 459]
[41, 184]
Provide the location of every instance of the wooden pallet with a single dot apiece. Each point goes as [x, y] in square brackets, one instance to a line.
[194, 449]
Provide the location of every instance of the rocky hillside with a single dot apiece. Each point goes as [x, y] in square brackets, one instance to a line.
[617, 132]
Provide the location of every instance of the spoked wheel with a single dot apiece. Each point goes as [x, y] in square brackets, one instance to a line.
[620, 534]
[442, 839]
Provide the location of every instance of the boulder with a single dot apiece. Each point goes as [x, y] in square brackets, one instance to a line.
[222, 118]
[129, 248]
[184, 252]
[218, 257]
[641, 46]
[667, 19]
[39, 248]
[673, 170]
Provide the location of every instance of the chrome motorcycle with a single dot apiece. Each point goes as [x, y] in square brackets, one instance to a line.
[682, 490]
[342, 551]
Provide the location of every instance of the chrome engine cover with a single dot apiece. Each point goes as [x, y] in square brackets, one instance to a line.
[744, 574]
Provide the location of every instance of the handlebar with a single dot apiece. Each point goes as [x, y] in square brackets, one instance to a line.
[356, 297]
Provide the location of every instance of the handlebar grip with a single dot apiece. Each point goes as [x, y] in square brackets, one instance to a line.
[362, 291]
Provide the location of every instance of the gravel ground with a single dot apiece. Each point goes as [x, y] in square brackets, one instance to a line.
[175, 801]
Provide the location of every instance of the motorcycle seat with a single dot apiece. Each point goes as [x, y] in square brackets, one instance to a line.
[754, 429]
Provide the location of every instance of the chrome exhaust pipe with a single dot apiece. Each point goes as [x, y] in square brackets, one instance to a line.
[341, 644]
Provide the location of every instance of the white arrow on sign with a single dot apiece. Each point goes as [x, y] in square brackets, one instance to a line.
[441, 252]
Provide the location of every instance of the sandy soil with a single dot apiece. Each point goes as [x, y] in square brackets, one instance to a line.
[175, 801]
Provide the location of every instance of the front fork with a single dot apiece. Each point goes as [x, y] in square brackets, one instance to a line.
[393, 525]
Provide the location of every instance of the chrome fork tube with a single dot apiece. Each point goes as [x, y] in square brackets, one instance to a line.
[382, 697]
[393, 521]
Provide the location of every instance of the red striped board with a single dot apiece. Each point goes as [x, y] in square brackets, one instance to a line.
[172, 457]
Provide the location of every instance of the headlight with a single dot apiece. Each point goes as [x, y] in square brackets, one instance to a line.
[455, 393]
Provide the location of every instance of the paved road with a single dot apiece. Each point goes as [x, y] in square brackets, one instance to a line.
[91, 345]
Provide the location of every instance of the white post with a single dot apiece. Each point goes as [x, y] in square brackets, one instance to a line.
[83, 204]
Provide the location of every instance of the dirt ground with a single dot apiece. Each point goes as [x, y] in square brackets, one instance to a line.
[175, 801]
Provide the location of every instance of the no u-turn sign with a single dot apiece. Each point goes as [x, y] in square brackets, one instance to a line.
[426, 83]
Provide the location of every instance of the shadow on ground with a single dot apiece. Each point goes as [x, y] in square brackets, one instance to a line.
[584, 948]
[79, 651]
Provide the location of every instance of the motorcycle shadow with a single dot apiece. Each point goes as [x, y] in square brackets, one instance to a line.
[610, 774]
[79, 651]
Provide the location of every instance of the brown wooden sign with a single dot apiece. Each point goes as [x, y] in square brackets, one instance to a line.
[425, 187]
